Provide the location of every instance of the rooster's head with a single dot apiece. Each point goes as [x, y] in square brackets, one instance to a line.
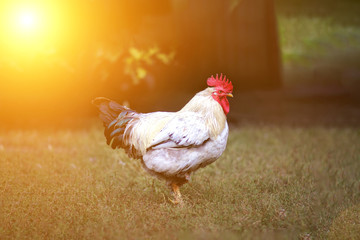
[222, 88]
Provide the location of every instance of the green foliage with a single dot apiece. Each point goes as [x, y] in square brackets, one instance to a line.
[138, 60]
[318, 37]
[305, 39]
[271, 183]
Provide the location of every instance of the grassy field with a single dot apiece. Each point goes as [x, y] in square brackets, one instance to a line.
[273, 182]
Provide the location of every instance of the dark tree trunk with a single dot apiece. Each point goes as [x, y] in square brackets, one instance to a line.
[240, 42]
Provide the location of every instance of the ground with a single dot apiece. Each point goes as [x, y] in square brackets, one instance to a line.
[294, 176]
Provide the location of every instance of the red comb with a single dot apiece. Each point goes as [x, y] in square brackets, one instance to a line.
[220, 82]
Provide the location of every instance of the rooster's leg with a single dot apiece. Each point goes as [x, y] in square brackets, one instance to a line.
[177, 195]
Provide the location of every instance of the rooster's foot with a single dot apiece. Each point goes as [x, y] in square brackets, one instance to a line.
[177, 195]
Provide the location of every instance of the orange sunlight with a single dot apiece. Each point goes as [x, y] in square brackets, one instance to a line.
[29, 27]
[32, 32]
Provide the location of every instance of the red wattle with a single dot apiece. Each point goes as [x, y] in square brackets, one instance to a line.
[224, 103]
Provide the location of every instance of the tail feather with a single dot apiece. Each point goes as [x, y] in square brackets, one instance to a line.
[108, 109]
[115, 118]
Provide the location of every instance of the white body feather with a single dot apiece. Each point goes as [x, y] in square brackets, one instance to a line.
[181, 142]
[180, 161]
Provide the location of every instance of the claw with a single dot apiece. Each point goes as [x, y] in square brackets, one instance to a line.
[176, 202]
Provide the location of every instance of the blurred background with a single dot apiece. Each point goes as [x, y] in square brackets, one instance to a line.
[291, 61]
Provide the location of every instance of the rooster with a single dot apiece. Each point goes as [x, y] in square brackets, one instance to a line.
[172, 145]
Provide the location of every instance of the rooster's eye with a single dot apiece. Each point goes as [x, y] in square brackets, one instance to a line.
[220, 91]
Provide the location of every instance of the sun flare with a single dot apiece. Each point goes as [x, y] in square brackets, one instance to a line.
[28, 27]
[27, 20]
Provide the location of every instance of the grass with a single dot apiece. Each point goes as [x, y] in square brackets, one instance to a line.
[273, 182]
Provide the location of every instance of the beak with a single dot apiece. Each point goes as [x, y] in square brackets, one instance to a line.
[229, 95]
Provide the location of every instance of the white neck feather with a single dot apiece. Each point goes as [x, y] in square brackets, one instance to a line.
[204, 104]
